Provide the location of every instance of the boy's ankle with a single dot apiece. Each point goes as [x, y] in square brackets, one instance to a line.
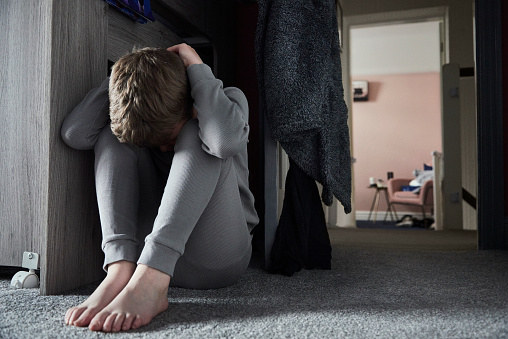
[157, 278]
[121, 268]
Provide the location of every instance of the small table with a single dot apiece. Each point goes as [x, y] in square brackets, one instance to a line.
[375, 202]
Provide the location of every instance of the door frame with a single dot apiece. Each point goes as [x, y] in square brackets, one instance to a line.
[492, 230]
[375, 19]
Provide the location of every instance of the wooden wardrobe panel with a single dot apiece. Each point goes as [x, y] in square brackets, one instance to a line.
[124, 34]
[78, 48]
[24, 93]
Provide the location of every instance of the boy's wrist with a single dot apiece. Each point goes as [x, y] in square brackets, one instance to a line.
[194, 62]
[199, 72]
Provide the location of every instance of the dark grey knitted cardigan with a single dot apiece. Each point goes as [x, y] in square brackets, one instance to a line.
[301, 92]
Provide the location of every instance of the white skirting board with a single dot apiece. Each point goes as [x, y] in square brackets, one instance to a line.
[364, 215]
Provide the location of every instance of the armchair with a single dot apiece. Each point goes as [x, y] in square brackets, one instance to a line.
[424, 199]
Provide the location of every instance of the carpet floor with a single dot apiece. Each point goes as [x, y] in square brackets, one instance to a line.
[387, 225]
[384, 284]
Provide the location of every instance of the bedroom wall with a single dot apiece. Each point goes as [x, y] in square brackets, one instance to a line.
[396, 130]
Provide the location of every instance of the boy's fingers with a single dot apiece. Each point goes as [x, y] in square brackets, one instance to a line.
[174, 49]
[186, 53]
[178, 47]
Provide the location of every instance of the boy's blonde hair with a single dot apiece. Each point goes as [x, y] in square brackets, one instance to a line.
[148, 94]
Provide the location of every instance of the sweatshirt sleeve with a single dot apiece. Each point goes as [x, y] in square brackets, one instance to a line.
[222, 113]
[82, 126]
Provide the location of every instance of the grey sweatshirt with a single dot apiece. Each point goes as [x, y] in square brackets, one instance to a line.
[222, 118]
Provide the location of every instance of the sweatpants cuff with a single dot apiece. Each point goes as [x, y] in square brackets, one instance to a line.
[160, 257]
[118, 250]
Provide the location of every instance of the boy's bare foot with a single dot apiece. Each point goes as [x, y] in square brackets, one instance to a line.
[119, 274]
[145, 296]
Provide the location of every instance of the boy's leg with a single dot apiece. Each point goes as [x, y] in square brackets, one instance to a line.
[219, 248]
[200, 212]
[122, 173]
[206, 214]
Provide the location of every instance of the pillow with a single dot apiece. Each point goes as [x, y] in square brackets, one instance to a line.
[421, 178]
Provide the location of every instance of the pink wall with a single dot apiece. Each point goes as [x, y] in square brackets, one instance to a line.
[396, 130]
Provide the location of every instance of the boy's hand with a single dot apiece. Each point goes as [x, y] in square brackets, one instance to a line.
[187, 54]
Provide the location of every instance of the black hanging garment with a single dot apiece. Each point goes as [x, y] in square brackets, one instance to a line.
[301, 240]
[301, 94]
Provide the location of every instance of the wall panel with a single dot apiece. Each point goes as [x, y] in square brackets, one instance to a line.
[24, 93]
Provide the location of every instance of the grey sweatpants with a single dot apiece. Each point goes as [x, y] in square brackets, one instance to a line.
[186, 204]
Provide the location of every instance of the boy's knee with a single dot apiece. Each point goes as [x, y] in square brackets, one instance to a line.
[189, 136]
[105, 140]
[108, 149]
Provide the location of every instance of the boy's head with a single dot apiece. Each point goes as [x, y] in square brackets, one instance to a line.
[149, 95]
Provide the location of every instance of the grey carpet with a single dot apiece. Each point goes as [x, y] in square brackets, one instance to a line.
[372, 291]
[388, 225]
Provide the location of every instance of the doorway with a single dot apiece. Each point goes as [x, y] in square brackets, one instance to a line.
[467, 88]
[396, 120]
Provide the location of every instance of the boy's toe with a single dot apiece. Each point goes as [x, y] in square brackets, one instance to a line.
[108, 323]
[117, 324]
[76, 315]
[84, 317]
[127, 323]
[97, 323]
[68, 315]
[137, 323]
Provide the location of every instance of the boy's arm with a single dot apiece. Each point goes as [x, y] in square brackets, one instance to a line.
[223, 113]
[82, 126]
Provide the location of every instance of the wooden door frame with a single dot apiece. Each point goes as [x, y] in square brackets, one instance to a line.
[492, 231]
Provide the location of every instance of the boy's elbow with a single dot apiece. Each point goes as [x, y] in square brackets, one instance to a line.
[74, 138]
[226, 145]
[222, 151]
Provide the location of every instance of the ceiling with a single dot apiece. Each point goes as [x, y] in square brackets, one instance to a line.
[395, 48]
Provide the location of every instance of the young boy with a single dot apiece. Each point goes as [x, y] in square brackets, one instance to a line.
[170, 149]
